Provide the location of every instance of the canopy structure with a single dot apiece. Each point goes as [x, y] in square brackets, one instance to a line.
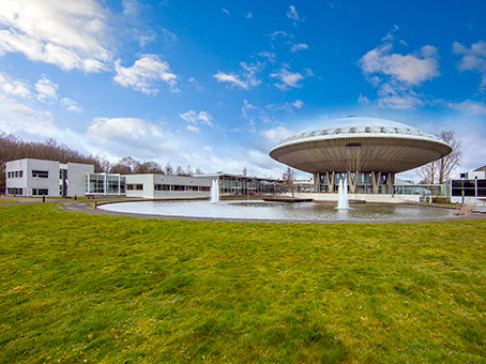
[367, 151]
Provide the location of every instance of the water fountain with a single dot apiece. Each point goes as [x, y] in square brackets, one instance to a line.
[214, 191]
[343, 201]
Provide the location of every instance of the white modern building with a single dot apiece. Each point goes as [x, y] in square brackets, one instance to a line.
[471, 187]
[35, 177]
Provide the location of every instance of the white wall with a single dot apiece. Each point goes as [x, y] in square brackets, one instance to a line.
[19, 182]
[476, 174]
[147, 180]
[51, 183]
[77, 178]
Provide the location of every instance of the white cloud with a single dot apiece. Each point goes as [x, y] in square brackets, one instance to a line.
[473, 59]
[298, 104]
[245, 80]
[232, 79]
[270, 56]
[298, 47]
[412, 69]
[277, 134]
[225, 11]
[293, 15]
[287, 79]
[278, 33]
[191, 116]
[18, 118]
[249, 15]
[390, 36]
[46, 90]
[127, 128]
[395, 75]
[247, 109]
[363, 100]
[470, 107]
[192, 128]
[12, 87]
[169, 37]
[144, 74]
[70, 34]
[71, 105]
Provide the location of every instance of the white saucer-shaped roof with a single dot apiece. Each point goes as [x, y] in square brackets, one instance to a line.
[382, 146]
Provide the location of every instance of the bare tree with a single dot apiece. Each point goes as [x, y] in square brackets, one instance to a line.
[440, 170]
[149, 167]
[288, 178]
[179, 171]
[168, 169]
[127, 165]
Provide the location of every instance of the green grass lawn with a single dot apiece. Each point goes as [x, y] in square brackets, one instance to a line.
[91, 288]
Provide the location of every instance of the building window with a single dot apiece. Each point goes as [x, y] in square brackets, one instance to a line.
[40, 192]
[40, 174]
[162, 187]
[8, 174]
[21, 174]
[15, 191]
[135, 187]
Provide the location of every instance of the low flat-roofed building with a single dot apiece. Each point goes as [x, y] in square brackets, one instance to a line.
[34, 177]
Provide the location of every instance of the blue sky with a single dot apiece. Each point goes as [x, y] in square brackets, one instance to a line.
[216, 84]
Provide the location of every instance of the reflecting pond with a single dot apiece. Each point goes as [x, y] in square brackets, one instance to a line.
[263, 210]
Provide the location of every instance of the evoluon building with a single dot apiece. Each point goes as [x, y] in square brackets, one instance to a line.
[366, 151]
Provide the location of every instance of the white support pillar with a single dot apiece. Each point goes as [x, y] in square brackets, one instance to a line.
[330, 181]
[375, 180]
[317, 182]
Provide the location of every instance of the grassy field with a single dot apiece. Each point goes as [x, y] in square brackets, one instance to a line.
[89, 288]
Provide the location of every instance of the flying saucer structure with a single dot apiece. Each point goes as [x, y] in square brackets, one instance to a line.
[366, 151]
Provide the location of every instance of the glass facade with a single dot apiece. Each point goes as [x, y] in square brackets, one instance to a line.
[364, 182]
[105, 184]
[469, 188]
[239, 185]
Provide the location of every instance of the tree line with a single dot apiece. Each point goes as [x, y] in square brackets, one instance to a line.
[13, 148]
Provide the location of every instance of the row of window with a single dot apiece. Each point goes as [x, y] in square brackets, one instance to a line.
[181, 188]
[15, 191]
[35, 191]
[35, 174]
[40, 192]
[40, 174]
[135, 187]
[159, 187]
[15, 174]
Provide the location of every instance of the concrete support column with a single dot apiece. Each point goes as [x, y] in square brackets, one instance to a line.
[317, 182]
[375, 180]
[390, 181]
[330, 181]
[353, 181]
